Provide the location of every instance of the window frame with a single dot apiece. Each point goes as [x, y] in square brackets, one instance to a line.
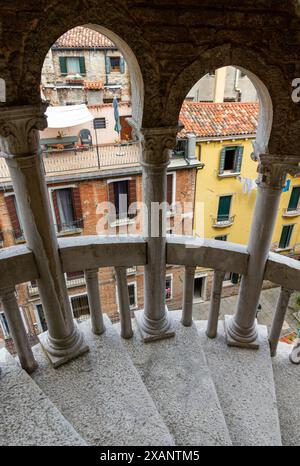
[237, 162]
[79, 295]
[230, 207]
[62, 231]
[135, 305]
[298, 203]
[4, 324]
[289, 236]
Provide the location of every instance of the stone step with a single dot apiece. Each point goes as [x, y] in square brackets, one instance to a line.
[245, 386]
[102, 394]
[177, 377]
[27, 416]
[287, 386]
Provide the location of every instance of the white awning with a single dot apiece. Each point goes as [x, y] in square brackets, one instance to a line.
[68, 115]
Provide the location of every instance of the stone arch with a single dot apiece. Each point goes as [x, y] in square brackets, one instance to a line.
[217, 58]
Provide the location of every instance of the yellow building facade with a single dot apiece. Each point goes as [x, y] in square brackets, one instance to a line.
[211, 185]
[226, 191]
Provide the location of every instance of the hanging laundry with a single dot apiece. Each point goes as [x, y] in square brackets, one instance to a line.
[286, 186]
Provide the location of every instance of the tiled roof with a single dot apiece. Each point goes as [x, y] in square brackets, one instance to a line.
[208, 119]
[81, 37]
[93, 85]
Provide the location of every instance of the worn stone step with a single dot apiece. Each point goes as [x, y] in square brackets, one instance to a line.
[102, 394]
[245, 386]
[27, 416]
[177, 377]
[287, 386]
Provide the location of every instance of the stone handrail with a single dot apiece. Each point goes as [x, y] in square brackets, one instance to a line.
[17, 265]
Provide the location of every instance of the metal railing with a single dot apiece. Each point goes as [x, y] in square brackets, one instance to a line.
[75, 161]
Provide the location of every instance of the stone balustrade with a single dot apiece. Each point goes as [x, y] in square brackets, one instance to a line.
[18, 265]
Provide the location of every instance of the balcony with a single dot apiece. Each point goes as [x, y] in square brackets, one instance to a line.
[288, 212]
[223, 221]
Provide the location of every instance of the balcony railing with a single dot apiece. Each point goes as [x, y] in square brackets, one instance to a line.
[17, 265]
[288, 212]
[223, 221]
[76, 160]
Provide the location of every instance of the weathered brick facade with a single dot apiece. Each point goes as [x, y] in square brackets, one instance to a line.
[93, 192]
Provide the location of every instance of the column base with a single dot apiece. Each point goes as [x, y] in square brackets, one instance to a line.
[295, 354]
[152, 330]
[234, 338]
[61, 351]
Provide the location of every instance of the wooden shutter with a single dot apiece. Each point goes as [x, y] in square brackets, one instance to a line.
[294, 199]
[132, 197]
[222, 160]
[63, 65]
[56, 210]
[78, 216]
[285, 236]
[224, 208]
[82, 65]
[112, 200]
[13, 215]
[122, 65]
[238, 159]
[107, 65]
[170, 190]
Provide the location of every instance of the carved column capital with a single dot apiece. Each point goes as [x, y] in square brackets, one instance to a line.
[273, 169]
[156, 144]
[19, 128]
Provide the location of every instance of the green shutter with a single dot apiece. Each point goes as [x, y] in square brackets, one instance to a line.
[222, 160]
[82, 65]
[224, 208]
[122, 65]
[63, 65]
[294, 199]
[286, 236]
[238, 159]
[107, 65]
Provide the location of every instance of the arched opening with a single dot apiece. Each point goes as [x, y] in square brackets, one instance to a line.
[227, 121]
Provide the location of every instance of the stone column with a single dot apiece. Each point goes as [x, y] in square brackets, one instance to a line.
[20, 146]
[154, 321]
[241, 330]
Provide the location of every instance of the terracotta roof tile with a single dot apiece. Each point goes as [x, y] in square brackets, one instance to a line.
[81, 37]
[209, 119]
[93, 85]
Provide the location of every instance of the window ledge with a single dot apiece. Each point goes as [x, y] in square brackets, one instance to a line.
[289, 248]
[121, 222]
[227, 283]
[291, 213]
[228, 174]
[69, 232]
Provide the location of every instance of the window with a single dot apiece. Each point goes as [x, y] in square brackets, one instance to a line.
[42, 324]
[170, 190]
[169, 283]
[122, 193]
[285, 237]
[72, 65]
[224, 208]
[80, 305]
[221, 238]
[114, 63]
[99, 123]
[14, 215]
[231, 277]
[231, 159]
[67, 209]
[4, 325]
[294, 199]
[132, 295]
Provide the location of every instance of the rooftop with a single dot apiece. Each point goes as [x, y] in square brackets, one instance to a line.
[209, 119]
[81, 37]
